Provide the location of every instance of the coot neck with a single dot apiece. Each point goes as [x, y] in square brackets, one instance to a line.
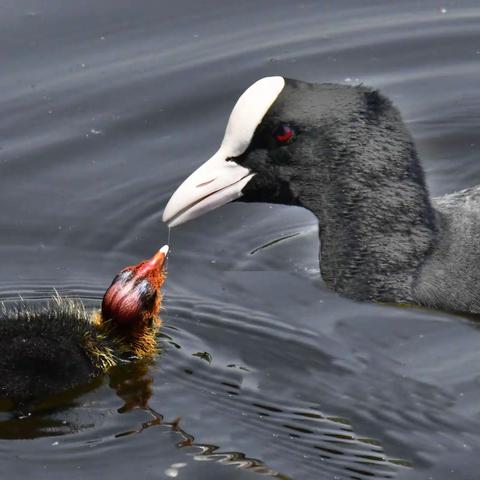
[376, 222]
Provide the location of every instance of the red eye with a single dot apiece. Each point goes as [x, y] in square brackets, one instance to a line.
[284, 133]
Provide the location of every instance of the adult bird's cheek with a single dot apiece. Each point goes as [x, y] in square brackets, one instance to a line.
[217, 182]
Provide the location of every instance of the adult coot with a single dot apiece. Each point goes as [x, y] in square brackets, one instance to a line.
[344, 153]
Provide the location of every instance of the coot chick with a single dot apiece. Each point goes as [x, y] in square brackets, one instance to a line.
[47, 350]
[344, 153]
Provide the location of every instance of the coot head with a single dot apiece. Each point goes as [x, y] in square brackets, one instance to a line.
[281, 133]
[134, 296]
[344, 153]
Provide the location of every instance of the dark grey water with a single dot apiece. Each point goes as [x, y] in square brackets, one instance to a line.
[105, 107]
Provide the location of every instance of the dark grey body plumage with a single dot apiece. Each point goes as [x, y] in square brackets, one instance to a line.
[354, 165]
[450, 278]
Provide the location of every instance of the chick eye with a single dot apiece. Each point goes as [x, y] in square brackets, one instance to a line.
[283, 133]
[147, 294]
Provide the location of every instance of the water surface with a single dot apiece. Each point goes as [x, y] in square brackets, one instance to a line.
[106, 107]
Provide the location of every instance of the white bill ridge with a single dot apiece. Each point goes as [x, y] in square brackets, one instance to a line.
[221, 180]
